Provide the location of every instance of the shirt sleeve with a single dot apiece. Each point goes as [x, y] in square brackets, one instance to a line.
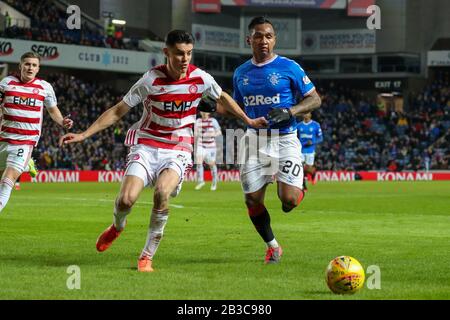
[50, 100]
[237, 96]
[212, 89]
[319, 136]
[301, 81]
[138, 92]
[3, 85]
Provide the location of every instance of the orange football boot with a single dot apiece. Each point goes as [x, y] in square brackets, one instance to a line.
[145, 264]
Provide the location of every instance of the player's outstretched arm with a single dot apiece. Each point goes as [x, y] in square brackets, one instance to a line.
[227, 102]
[308, 104]
[108, 118]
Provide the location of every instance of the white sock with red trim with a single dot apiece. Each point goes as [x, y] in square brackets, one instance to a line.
[6, 186]
[214, 174]
[158, 221]
[200, 173]
[120, 218]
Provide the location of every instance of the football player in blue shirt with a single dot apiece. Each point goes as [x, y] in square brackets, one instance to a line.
[267, 86]
[309, 134]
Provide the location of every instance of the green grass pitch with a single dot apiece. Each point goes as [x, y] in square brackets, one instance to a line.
[210, 249]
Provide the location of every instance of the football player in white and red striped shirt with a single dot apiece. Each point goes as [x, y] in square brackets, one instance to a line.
[161, 141]
[206, 130]
[23, 100]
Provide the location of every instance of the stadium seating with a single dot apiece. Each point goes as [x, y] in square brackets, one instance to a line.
[356, 135]
[48, 24]
[85, 101]
[359, 137]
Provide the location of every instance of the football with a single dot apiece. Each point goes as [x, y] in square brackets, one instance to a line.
[344, 275]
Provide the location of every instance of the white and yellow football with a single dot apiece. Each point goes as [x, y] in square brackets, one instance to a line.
[344, 275]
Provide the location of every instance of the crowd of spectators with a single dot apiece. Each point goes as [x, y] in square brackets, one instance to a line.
[84, 101]
[49, 24]
[363, 134]
[359, 134]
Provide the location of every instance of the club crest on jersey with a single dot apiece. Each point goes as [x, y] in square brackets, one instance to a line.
[245, 81]
[35, 91]
[193, 88]
[274, 78]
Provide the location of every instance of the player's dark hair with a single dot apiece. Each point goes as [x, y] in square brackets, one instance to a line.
[30, 54]
[258, 20]
[179, 36]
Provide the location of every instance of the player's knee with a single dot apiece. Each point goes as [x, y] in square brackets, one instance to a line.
[162, 193]
[125, 202]
[290, 201]
[251, 202]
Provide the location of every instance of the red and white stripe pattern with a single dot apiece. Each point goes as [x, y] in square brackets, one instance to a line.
[22, 109]
[207, 129]
[170, 107]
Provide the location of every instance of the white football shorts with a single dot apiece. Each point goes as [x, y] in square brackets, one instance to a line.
[207, 155]
[148, 162]
[264, 160]
[14, 156]
[308, 158]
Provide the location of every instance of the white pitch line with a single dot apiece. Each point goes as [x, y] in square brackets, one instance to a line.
[178, 206]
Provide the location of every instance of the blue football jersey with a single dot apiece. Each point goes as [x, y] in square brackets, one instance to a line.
[309, 131]
[272, 84]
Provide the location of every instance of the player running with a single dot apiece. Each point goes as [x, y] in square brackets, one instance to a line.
[30, 168]
[267, 86]
[23, 101]
[207, 129]
[161, 142]
[310, 135]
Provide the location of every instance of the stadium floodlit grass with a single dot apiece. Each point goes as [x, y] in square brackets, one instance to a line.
[211, 251]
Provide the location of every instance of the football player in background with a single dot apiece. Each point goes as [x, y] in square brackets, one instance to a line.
[310, 135]
[23, 101]
[206, 130]
[31, 166]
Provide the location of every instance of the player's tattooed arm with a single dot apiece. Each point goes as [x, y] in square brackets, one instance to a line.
[308, 104]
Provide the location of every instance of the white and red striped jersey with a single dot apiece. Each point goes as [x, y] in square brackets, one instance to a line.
[206, 131]
[22, 109]
[170, 107]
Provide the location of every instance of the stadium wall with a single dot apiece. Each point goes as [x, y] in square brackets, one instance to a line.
[135, 12]
[52, 176]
